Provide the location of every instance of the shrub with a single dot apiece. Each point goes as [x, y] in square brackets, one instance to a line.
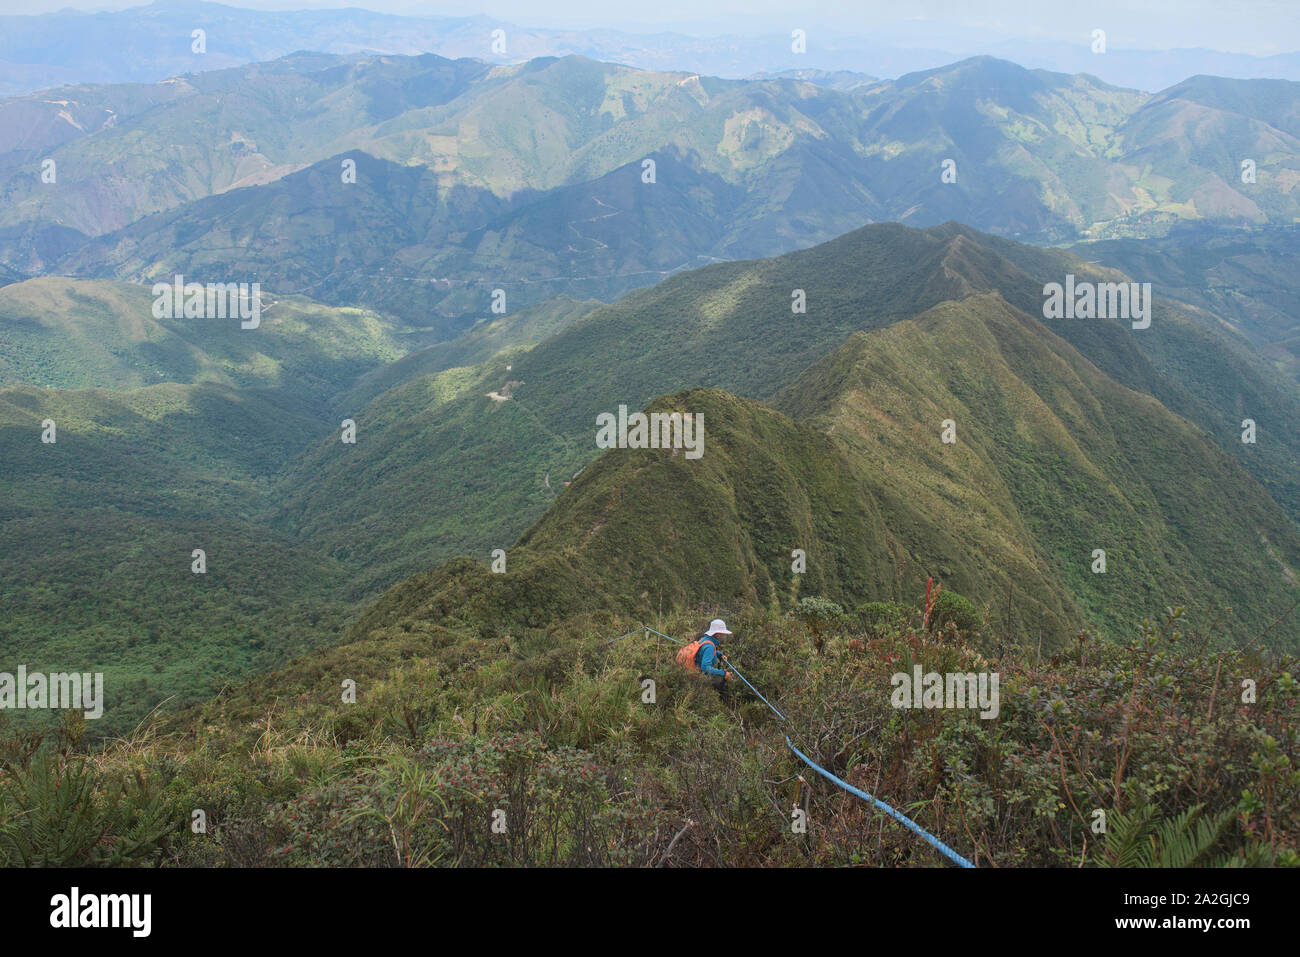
[882, 619]
[60, 812]
[819, 614]
[961, 613]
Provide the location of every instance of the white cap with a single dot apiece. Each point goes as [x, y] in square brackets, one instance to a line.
[717, 627]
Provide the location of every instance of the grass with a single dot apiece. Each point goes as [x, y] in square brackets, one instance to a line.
[556, 729]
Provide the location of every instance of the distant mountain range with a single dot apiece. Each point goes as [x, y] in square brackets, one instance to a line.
[149, 43]
[534, 179]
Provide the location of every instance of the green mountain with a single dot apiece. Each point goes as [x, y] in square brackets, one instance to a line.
[1247, 278]
[457, 454]
[653, 529]
[1037, 155]
[436, 260]
[76, 334]
[1052, 460]
[462, 461]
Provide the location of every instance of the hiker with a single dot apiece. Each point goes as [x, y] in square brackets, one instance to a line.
[701, 654]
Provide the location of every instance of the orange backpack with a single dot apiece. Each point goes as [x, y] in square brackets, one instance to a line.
[688, 657]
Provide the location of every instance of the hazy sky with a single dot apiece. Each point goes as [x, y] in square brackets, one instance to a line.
[1260, 27]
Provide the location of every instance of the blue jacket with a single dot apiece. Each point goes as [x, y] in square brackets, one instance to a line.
[708, 653]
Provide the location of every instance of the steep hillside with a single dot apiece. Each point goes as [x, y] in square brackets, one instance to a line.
[1052, 460]
[466, 472]
[1248, 278]
[469, 472]
[647, 529]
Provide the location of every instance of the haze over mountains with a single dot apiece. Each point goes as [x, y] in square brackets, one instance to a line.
[72, 47]
[533, 178]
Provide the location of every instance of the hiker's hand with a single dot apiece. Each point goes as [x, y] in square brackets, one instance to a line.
[726, 676]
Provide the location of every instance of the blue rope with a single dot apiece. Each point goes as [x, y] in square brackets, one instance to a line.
[661, 635]
[632, 632]
[753, 689]
[899, 816]
[903, 819]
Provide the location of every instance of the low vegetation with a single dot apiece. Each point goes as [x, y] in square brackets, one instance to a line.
[556, 738]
